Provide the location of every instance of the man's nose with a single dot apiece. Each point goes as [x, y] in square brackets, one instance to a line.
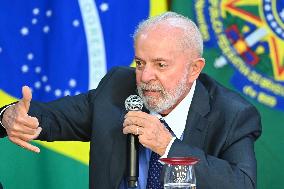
[148, 74]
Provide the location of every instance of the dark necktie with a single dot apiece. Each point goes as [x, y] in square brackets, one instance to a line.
[155, 168]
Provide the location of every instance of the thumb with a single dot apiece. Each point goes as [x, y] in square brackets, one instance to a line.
[27, 97]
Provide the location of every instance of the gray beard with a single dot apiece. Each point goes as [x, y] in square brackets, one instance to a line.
[168, 99]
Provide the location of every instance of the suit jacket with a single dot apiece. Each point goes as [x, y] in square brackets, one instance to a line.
[221, 129]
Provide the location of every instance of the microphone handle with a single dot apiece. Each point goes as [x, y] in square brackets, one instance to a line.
[133, 161]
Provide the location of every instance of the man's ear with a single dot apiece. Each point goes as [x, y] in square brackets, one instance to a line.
[195, 68]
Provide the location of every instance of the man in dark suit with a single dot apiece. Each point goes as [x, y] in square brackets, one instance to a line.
[206, 120]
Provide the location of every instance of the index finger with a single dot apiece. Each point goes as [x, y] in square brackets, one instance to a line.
[29, 121]
[140, 114]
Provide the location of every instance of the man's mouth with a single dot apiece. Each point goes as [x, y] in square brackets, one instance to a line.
[152, 93]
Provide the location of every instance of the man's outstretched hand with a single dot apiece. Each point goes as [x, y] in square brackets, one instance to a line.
[20, 127]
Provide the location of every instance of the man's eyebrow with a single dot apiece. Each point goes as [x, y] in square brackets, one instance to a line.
[153, 60]
[159, 59]
[137, 58]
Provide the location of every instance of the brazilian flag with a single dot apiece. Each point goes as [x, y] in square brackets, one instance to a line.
[244, 50]
[60, 48]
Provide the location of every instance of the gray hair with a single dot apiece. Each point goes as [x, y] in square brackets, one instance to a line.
[192, 37]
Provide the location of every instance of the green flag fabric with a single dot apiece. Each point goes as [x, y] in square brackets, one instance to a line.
[244, 50]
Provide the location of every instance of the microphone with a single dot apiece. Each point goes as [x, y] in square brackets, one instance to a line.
[133, 103]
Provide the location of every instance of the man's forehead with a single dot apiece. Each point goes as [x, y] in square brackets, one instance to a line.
[164, 43]
[164, 30]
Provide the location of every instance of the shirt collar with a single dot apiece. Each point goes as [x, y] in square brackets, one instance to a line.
[176, 119]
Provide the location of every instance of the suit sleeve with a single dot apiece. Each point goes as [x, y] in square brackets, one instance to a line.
[235, 166]
[64, 119]
[3, 132]
[68, 118]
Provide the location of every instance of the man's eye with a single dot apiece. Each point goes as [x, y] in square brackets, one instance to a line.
[139, 63]
[162, 65]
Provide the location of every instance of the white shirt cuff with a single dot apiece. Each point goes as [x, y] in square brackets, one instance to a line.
[168, 149]
[2, 112]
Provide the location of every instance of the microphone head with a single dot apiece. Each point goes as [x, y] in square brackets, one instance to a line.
[133, 103]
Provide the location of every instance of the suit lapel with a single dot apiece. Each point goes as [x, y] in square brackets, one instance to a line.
[197, 123]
